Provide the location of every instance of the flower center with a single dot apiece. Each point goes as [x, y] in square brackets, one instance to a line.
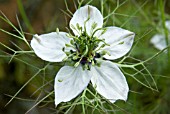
[85, 48]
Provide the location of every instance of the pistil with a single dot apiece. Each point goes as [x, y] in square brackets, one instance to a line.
[85, 47]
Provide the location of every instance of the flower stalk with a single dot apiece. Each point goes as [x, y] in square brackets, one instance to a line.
[161, 6]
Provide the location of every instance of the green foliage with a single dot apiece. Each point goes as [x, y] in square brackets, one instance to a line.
[146, 68]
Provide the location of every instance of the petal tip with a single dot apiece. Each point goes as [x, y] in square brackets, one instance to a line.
[56, 103]
[131, 34]
[36, 37]
[82, 15]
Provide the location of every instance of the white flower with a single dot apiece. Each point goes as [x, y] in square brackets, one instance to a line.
[84, 53]
[159, 40]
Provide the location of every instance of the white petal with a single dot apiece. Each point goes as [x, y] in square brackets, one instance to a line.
[70, 82]
[120, 41]
[82, 14]
[49, 46]
[158, 41]
[167, 23]
[109, 81]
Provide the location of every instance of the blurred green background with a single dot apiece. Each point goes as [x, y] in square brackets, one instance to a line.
[43, 16]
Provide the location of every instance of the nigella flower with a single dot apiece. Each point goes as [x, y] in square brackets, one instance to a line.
[87, 54]
[159, 40]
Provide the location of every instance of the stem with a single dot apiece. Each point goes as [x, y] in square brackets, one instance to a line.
[24, 16]
[161, 6]
[142, 62]
[83, 102]
[23, 86]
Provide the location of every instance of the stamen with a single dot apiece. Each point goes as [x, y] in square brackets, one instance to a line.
[57, 30]
[104, 52]
[65, 58]
[77, 64]
[104, 30]
[86, 51]
[94, 25]
[72, 26]
[68, 45]
[86, 46]
[79, 27]
[71, 36]
[85, 23]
